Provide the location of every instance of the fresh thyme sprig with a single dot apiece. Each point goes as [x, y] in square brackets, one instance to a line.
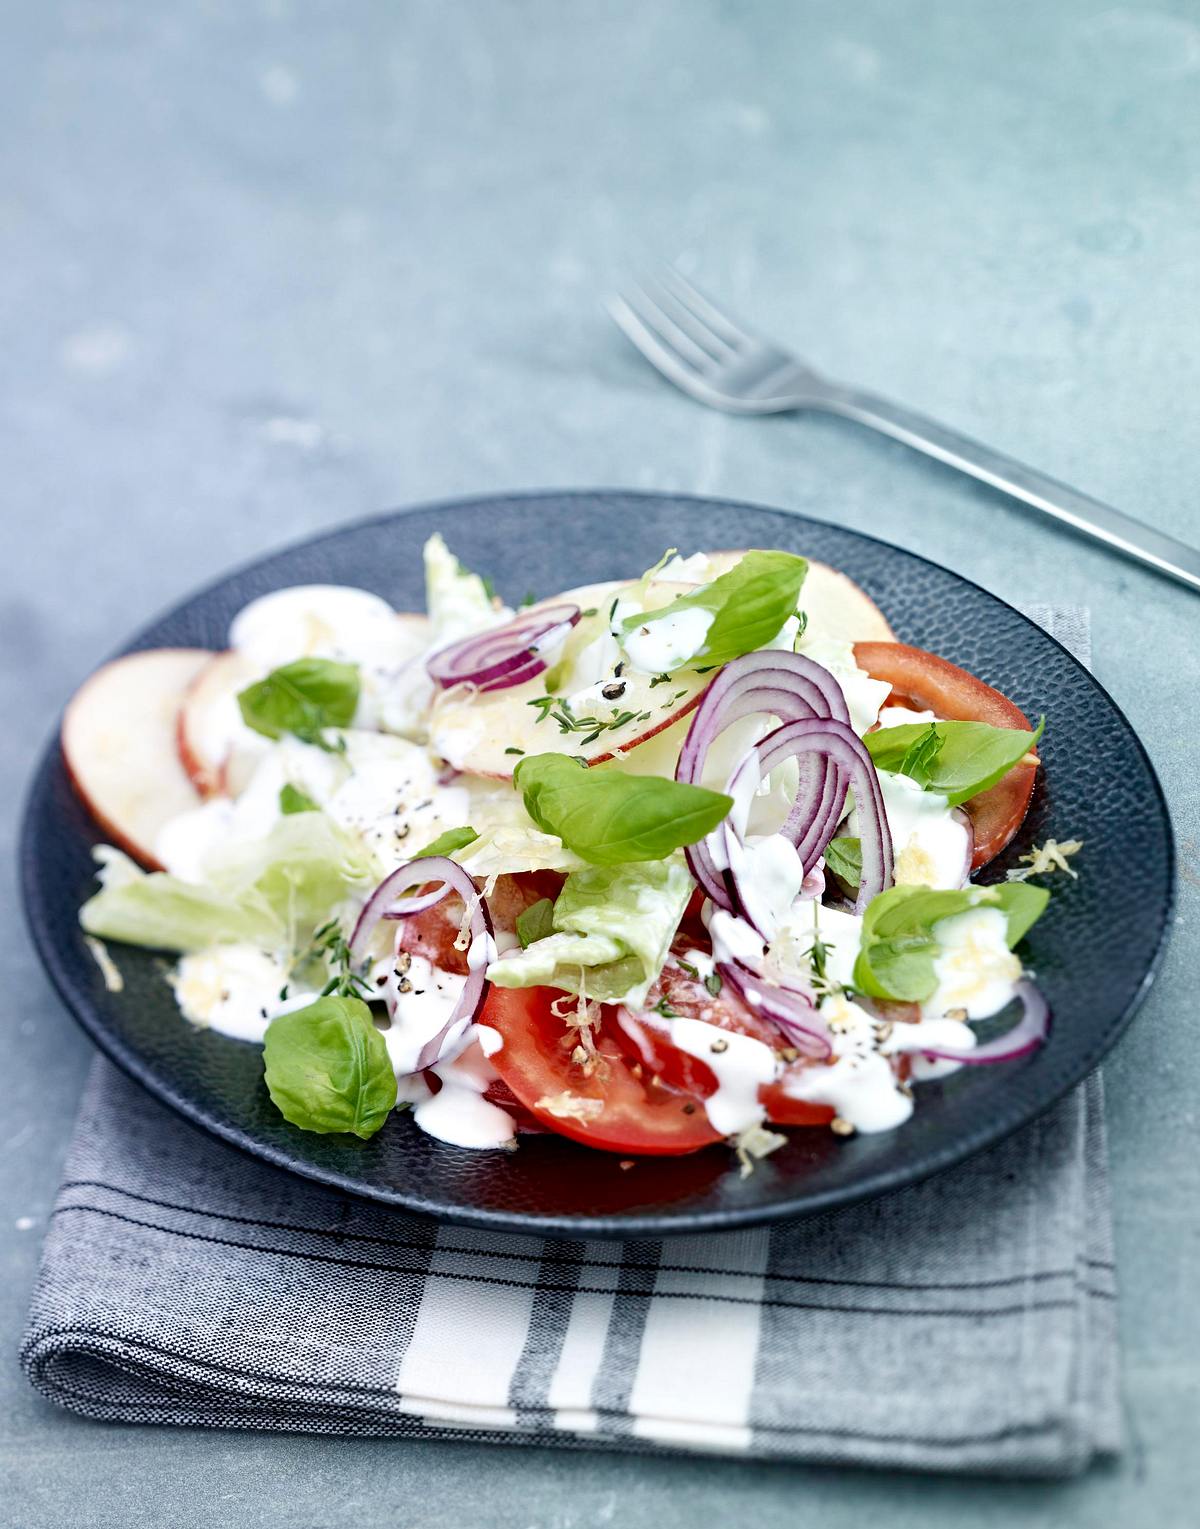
[348, 979]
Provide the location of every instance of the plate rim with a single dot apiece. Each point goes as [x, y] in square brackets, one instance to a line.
[658, 1223]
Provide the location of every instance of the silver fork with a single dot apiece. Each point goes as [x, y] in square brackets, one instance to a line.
[712, 357]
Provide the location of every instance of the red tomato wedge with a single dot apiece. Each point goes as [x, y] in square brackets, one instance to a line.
[615, 1107]
[432, 932]
[929, 683]
[688, 996]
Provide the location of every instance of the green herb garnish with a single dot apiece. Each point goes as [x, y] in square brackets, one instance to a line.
[303, 698]
[609, 818]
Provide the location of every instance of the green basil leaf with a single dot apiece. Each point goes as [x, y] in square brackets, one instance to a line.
[921, 754]
[843, 857]
[328, 1069]
[302, 698]
[292, 799]
[968, 756]
[899, 942]
[535, 923]
[446, 843]
[750, 604]
[608, 817]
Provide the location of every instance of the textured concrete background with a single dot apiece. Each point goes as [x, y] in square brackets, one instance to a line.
[268, 266]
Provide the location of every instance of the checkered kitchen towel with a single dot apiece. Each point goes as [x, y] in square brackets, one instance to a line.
[965, 1324]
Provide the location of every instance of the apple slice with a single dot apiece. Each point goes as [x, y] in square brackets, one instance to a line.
[486, 733]
[119, 745]
[835, 605]
[209, 718]
[210, 725]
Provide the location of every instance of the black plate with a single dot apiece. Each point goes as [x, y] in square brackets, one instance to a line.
[1095, 951]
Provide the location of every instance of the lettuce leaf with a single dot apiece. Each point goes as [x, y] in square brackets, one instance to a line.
[457, 600]
[613, 927]
[271, 893]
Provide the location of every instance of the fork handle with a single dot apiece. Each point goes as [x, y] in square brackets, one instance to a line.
[1094, 519]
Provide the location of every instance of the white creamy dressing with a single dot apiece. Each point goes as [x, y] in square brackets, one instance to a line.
[976, 971]
[235, 989]
[328, 621]
[425, 998]
[932, 846]
[771, 875]
[901, 716]
[858, 1082]
[667, 642]
[703, 961]
[740, 1064]
[458, 1113]
[396, 806]
[840, 933]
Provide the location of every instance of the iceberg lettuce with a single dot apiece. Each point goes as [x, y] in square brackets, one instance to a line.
[271, 893]
[456, 599]
[613, 927]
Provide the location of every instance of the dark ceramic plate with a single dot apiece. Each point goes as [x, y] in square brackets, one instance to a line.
[1094, 952]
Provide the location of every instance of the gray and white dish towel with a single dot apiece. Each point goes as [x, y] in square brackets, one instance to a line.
[965, 1324]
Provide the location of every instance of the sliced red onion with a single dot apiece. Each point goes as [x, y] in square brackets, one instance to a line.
[839, 742]
[792, 1012]
[505, 655]
[781, 684]
[386, 900]
[1026, 1035]
[386, 903]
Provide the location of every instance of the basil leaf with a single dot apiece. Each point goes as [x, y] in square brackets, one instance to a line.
[968, 756]
[302, 698]
[608, 817]
[843, 857]
[292, 799]
[446, 843]
[920, 755]
[535, 923]
[328, 1069]
[750, 603]
[899, 942]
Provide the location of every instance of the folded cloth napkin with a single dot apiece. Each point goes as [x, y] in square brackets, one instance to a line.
[964, 1324]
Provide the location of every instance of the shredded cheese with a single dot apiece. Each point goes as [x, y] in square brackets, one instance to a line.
[1045, 859]
[753, 1143]
[568, 1106]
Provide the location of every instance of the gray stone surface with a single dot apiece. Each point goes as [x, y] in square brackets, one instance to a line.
[268, 266]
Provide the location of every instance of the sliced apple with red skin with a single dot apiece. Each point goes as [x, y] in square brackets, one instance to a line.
[835, 605]
[203, 726]
[208, 716]
[119, 746]
[487, 732]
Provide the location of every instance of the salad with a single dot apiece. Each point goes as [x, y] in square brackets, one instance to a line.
[678, 860]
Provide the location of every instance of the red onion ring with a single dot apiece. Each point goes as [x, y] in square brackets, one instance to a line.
[384, 903]
[791, 1012]
[1026, 1035]
[839, 742]
[775, 683]
[505, 655]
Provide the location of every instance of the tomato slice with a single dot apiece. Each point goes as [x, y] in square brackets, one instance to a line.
[432, 932]
[929, 683]
[617, 1106]
[687, 995]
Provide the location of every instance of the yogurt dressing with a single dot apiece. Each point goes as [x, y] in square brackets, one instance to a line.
[975, 969]
[667, 642]
[235, 990]
[458, 1113]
